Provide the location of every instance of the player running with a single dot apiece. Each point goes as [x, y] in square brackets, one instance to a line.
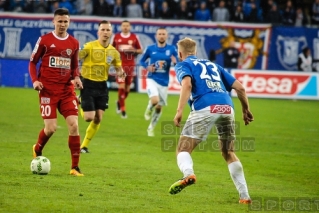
[129, 46]
[160, 56]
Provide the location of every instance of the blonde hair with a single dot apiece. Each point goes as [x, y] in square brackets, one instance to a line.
[187, 45]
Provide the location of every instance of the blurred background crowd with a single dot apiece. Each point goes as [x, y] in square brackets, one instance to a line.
[276, 12]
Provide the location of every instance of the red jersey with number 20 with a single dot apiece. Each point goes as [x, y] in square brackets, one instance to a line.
[123, 43]
[59, 60]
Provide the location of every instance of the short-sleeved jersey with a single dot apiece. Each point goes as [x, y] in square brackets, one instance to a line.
[160, 57]
[211, 84]
[59, 60]
[97, 60]
[122, 42]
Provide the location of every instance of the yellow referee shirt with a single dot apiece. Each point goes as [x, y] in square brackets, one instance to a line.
[97, 60]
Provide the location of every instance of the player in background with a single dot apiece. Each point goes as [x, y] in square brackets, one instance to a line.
[205, 87]
[159, 56]
[58, 52]
[129, 46]
[97, 57]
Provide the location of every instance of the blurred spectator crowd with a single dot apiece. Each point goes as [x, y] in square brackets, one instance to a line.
[280, 12]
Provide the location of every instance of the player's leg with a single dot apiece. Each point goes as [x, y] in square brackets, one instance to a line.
[195, 130]
[101, 104]
[48, 107]
[120, 104]
[69, 109]
[226, 130]
[162, 101]
[153, 96]
[89, 114]
[130, 75]
[185, 163]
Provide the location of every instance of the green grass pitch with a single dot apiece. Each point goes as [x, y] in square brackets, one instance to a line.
[127, 171]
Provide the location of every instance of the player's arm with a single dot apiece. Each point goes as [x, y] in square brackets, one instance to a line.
[138, 46]
[117, 63]
[147, 66]
[174, 57]
[75, 70]
[241, 94]
[37, 53]
[184, 77]
[185, 93]
[120, 72]
[83, 52]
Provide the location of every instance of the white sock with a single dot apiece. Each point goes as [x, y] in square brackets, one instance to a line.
[154, 120]
[185, 163]
[237, 174]
[150, 106]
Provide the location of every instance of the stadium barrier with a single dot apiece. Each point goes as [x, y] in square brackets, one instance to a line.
[262, 84]
[262, 46]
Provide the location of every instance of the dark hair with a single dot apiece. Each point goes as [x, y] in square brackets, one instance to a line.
[126, 21]
[61, 12]
[305, 50]
[104, 22]
[161, 28]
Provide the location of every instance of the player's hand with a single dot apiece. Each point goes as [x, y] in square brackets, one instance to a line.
[178, 118]
[247, 117]
[151, 68]
[78, 83]
[37, 85]
[121, 76]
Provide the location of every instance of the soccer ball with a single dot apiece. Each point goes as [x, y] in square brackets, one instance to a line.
[40, 165]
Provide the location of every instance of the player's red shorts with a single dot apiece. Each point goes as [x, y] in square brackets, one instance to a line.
[63, 100]
[130, 74]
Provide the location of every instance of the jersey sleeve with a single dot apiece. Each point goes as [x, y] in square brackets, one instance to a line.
[182, 70]
[37, 53]
[117, 62]
[84, 51]
[113, 41]
[75, 62]
[145, 56]
[175, 54]
[227, 78]
[138, 43]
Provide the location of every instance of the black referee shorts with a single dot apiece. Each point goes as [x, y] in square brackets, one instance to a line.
[94, 95]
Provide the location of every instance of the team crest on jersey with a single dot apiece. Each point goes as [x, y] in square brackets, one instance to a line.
[109, 59]
[69, 52]
[168, 52]
[130, 42]
[45, 100]
[160, 65]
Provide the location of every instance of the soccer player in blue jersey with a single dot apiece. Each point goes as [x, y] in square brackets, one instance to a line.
[157, 59]
[205, 87]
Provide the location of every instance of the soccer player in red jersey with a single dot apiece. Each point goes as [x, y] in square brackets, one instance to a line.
[58, 52]
[129, 46]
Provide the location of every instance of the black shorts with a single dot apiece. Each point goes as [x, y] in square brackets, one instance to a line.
[94, 95]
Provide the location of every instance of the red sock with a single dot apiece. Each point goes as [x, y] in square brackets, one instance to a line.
[121, 94]
[42, 140]
[126, 94]
[74, 145]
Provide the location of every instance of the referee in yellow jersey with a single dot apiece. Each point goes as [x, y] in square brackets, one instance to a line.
[97, 57]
